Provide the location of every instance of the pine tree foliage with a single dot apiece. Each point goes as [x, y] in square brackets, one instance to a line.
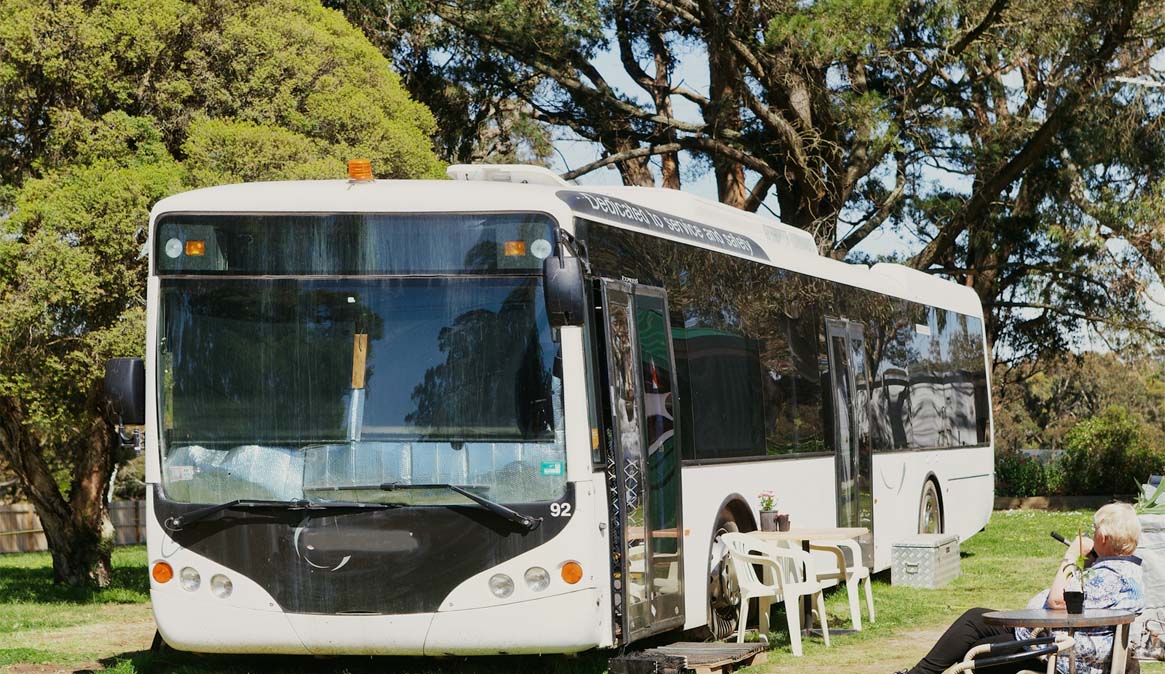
[992, 137]
[106, 106]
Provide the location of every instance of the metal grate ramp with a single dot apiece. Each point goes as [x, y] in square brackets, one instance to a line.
[698, 657]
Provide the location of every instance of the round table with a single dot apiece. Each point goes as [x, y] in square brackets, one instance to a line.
[1060, 619]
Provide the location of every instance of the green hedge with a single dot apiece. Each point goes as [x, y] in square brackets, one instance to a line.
[1109, 454]
[1017, 474]
[1106, 454]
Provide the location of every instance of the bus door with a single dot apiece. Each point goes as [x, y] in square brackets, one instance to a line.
[853, 461]
[643, 462]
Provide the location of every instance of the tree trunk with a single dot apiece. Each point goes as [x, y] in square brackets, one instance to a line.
[78, 530]
[81, 552]
[723, 113]
[636, 172]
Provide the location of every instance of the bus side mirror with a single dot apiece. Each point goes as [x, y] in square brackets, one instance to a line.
[125, 387]
[565, 291]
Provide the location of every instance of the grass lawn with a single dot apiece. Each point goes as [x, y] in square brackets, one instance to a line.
[47, 629]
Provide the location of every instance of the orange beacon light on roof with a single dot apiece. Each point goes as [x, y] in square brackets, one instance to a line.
[359, 170]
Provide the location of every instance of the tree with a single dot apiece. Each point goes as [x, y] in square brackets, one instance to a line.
[1038, 403]
[69, 278]
[105, 107]
[990, 134]
[479, 119]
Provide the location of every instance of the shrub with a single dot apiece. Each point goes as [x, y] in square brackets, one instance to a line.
[1109, 454]
[1054, 478]
[1017, 474]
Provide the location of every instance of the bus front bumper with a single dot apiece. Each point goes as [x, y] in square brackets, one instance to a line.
[565, 623]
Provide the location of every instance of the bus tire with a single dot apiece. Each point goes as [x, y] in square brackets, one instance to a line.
[723, 593]
[159, 645]
[930, 509]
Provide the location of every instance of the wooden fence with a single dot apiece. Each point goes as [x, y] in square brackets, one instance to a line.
[20, 529]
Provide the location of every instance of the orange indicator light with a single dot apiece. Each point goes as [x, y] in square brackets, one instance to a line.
[514, 248]
[359, 170]
[572, 572]
[162, 572]
[195, 248]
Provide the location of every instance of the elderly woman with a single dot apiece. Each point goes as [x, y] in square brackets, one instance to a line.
[1114, 582]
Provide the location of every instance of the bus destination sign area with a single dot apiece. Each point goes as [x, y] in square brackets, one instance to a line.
[623, 213]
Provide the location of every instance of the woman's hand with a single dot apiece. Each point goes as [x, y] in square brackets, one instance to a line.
[1079, 547]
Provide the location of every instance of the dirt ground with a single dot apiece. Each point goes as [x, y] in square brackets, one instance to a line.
[125, 629]
[116, 629]
[885, 656]
[122, 630]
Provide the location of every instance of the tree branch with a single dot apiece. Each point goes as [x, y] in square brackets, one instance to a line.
[1032, 150]
[878, 216]
[713, 146]
[1062, 310]
[637, 153]
[757, 194]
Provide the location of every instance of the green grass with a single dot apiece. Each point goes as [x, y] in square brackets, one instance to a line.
[33, 609]
[29, 600]
[11, 656]
[592, 663]
[28, 578]
[1002, 566]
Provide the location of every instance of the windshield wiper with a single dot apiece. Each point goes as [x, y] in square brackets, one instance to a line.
[175, 523]
[528, 523]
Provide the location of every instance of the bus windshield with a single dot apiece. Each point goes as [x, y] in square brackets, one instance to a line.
[290, 387]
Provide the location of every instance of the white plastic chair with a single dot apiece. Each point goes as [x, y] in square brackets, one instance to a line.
[782, 582]
[851, 574]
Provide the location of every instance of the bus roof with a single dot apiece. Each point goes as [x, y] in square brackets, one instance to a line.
[519, 188]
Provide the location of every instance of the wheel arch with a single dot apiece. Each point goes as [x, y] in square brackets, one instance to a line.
[735, 506]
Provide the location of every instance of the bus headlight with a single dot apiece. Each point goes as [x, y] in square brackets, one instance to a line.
[221, 586]
[189, 579]
[537, 578]
[501, 585]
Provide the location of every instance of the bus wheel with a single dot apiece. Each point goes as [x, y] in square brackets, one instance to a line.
[930, 510]
[723, 592]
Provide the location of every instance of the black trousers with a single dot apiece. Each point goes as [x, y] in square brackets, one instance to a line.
[965, 633]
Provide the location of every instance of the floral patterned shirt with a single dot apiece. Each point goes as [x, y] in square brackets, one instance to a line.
[1114, 583]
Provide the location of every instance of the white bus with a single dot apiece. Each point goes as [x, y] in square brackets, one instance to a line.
[397, 417]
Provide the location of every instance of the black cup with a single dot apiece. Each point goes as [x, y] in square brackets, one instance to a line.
[1075, 601]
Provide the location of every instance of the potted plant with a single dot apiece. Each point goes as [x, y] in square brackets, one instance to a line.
[770, 519]
[1074, 589]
